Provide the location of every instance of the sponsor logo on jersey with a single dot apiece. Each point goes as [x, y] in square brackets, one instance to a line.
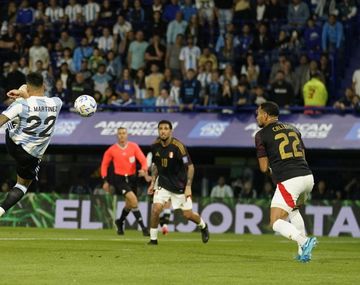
[157, 154]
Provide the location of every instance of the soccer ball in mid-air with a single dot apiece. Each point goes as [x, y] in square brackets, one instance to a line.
[85, 105]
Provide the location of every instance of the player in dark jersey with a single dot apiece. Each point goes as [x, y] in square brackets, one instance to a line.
[281, 154]
[166, 213]
[174, 171]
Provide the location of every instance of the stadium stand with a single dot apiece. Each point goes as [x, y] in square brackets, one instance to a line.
[63, 39]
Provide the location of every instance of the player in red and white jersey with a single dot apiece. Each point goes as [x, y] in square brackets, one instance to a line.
[281, 154]
[124, 155]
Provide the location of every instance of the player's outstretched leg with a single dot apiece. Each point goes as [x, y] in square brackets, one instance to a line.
[12, 197]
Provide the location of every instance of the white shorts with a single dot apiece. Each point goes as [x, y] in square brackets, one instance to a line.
[178, 201]
[292, 192]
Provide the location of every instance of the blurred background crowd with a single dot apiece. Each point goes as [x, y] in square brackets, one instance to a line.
[183, 54]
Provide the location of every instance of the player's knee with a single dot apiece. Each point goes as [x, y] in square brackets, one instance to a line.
[131, 200]
[156, 209]
[133, 204]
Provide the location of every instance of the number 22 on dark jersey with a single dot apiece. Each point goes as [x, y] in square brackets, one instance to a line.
[283, 146]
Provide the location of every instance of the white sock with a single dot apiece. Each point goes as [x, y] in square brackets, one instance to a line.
[201, 224]
[289, 231]
[297, 220]
[2, 211]
[153, 234]
[21, 187]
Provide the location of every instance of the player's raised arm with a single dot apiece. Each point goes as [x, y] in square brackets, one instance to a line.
[19, 93]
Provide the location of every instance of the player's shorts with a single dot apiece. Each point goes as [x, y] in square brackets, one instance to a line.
[27, 166]
[125, 184]
[292, 192]
[178, 201]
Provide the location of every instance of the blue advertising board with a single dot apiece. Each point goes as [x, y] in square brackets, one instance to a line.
[330, 131]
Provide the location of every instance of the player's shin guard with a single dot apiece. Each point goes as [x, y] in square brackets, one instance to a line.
[138, 217]
[13, 197]
[153, 233]
[125, 212]
[289, 231]
[166, 217]
[297, 220]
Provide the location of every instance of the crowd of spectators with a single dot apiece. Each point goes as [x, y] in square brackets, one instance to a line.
[250, 186]
[169, 55]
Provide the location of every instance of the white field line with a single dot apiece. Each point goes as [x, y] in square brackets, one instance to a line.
[109, 239]
[355, 241]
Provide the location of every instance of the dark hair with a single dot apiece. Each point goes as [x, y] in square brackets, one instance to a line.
[35, 79]
[271, 108]
[165, 122]
[316, 74]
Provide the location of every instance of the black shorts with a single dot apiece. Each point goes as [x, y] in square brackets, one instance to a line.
[27, 166]
[125, 184]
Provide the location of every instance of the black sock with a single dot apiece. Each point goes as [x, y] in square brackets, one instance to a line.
[124, 214]
[166, 218]
[161, 221]
[12, 198]
[138, 217]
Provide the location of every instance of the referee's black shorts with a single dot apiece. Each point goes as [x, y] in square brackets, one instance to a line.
[125, 184]
[27, 166]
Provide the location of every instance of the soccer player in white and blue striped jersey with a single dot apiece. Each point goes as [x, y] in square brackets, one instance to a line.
[28, 138]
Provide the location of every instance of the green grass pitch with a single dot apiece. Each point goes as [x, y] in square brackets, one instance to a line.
[50, 256]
